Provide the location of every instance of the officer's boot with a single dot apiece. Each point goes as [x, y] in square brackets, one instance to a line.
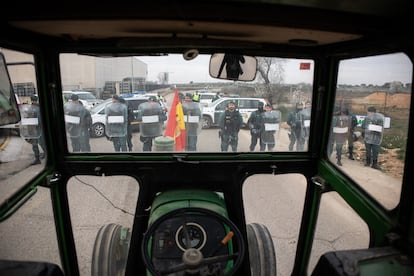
[375, 165]
[338, 158]
[350, 153]
[36, 155]
[368, 162]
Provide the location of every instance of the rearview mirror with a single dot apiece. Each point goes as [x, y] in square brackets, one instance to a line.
[9, 111]
[233, 67]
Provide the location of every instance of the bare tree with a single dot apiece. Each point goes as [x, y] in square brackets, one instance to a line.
[270, 74]
[395, 87]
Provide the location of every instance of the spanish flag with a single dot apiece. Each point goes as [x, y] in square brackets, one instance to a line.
[175, 124]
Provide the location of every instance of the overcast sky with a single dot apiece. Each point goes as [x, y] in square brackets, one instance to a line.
[377, 71]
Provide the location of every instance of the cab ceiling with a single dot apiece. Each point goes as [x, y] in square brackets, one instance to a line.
[108, 29]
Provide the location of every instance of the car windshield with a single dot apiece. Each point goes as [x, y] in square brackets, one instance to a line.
[86, 96]
[99, 107]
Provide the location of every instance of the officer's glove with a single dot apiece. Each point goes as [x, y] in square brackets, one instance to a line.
[219, 134]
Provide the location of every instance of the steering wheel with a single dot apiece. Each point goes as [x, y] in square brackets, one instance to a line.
[193, 260]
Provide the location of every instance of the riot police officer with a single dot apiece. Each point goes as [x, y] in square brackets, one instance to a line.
[152, 118]
[230, 122]
[129, 128]
[271, 120]
[77, 124]
[373, 126]
[297, 130]
[192, 116]
[116, 115]
[351, 135]
[340, 132]
[306, 117]
[31, 128]
[255, 123]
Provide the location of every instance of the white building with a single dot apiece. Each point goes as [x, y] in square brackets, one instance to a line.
[93, 72]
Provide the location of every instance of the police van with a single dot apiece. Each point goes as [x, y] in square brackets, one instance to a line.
[245, 106]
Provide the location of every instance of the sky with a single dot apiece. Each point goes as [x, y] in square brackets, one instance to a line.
[377, 71]
[179, 73]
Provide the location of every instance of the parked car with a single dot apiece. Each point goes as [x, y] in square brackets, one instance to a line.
[87, 98]
[212, 112]
[160, 101]
[98, 114]
[206, 98]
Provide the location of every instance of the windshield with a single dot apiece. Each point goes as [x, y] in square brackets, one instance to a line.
[86, 96]
[239, 116]
[99, 106]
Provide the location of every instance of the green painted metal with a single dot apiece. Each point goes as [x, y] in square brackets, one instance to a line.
[172, 200]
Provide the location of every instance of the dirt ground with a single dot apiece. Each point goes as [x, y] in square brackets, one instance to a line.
[387, 159]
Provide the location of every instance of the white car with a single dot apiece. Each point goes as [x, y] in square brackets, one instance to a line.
[98, 114]
[206, 98]
[87, 98]
[160, 101]
[246, 106]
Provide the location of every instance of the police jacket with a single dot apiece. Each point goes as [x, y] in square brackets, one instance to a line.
[256, 119]
[230, 122]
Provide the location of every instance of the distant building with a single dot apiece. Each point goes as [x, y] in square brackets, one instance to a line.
[95, 75]
[100, 72]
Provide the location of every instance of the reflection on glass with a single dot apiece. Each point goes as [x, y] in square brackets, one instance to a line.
[370, 123]
[281, 83]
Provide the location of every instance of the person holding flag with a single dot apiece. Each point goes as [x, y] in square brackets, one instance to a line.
[175, 124]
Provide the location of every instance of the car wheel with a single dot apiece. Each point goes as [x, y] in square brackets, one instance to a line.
[262, 253]
[206, 122]
[98, 130]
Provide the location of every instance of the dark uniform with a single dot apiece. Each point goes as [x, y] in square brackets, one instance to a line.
[271, 120]
[373, 125]
[297, 128]
[306, 117]
[256, 126]
[86, 125]
[116, 123]
[130, 118]
[78, 121]
[230, 123]
[152, 118]
[340, 132]
[353, 122]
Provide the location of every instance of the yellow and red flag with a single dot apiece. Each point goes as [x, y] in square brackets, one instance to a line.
[175, 124]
